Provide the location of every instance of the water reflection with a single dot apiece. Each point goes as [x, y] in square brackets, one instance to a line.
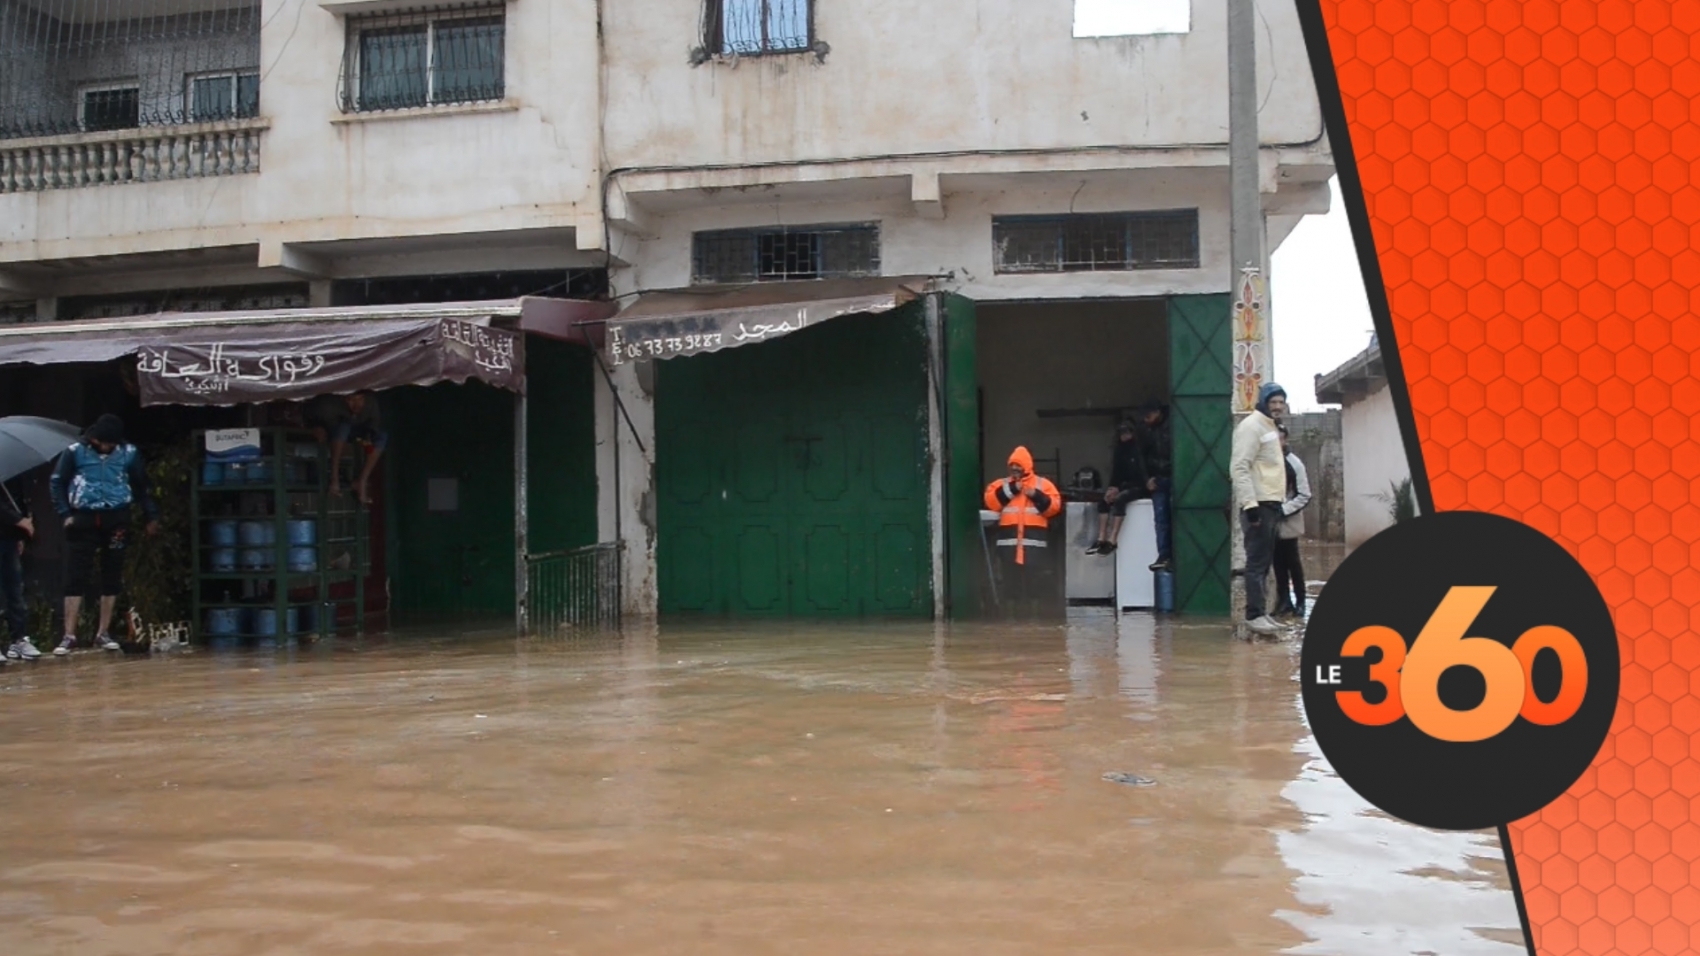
[708, 790]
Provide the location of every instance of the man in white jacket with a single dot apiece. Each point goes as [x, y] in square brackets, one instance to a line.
[1259, 474]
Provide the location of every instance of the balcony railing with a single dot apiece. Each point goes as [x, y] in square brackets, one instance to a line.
[145, 155]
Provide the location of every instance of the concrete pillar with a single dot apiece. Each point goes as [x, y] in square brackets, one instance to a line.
[625, 479]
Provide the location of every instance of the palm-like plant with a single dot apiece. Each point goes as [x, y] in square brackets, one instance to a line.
[1400, 499]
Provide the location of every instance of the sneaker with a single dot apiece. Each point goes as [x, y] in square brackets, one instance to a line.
[1163, 564]
[106, 643]
[1263, 625]
[65, 645]
[1108, 547]
[23, 650]
[1097, 548]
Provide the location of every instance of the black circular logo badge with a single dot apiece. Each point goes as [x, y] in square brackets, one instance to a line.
[1460, 671]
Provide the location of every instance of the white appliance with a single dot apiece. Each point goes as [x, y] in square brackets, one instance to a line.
[1136, 551]
[1086, 577]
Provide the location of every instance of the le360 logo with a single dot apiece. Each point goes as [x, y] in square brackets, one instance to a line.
[1460, 671]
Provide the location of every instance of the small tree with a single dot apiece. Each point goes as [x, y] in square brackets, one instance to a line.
[1400, 499]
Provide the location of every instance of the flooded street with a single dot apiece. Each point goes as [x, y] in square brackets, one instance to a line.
[775, 789]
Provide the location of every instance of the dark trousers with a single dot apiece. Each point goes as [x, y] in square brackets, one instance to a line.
[1259, 555]
[1161, 516]
[91, 538]
[12, 590]
[1289, 576]
[1028, 590]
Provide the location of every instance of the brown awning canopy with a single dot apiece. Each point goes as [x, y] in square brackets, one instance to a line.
[232, 358]
[702, 319]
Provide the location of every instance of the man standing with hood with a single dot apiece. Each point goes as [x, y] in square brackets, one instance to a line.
[94, 485]
[1158, 451]
[1259, 473]
[1025, 503]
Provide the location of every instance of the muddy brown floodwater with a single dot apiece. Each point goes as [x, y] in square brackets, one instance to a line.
[752, 790]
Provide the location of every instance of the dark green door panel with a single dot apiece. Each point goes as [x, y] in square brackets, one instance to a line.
[462, 561]
[792, 475]
[963, 482]
[459, 561]
[1200, 385]
[560, 443]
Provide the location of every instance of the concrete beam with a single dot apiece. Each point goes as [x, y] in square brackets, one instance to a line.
[624, 217]
[1268, 172]
[1306, 199]
[17, 286]
[293, 259]
[926, 194]
[588, 235]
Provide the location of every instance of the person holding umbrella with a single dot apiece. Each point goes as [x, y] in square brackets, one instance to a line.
[16, 529]
[26, 443]
[94, 485]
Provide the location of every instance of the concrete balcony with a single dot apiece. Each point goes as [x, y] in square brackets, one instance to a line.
[143, 155]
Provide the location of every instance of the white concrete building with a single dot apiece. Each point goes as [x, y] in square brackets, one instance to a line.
[1373, 452]
[1057, 197]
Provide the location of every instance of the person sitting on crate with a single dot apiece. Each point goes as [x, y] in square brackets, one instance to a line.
[345, 418]
[94, 485]
[1128, 482]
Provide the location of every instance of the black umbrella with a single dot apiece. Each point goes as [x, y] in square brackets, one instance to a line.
[27, 443]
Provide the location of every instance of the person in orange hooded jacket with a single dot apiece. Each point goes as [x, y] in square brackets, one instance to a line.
[1025, 503]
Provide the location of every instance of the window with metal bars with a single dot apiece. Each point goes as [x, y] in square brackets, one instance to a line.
[427, 58]
[111, 107]
[1096, 242]
[781, 254]
[73, 66]
[755, 27]
[224, 96]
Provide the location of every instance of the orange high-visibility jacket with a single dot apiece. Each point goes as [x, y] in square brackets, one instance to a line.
[1031, 504]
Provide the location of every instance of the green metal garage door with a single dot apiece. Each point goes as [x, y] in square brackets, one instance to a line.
[793, 477]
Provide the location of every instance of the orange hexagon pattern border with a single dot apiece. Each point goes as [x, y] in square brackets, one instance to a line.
[1524, 180]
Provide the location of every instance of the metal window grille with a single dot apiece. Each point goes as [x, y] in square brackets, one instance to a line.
[1106, 242]
[241, 298]
[70, 66]
[782, 254]
[425, 58]
[224, 96]
[578, 589]
[111, 107]
[754, 27]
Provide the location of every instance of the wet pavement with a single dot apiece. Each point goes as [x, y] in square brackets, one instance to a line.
[769, 789]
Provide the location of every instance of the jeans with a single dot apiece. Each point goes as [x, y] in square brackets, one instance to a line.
[1160, 516]
[12, 590]
[1259, 555]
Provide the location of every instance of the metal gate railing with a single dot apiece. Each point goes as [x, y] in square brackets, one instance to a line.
[575, 589]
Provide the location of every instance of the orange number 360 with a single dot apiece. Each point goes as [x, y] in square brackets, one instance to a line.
[1412, 678]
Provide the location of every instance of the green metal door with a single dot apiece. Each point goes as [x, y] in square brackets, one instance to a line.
[453, 555]
[792, 476]
[1200, 384]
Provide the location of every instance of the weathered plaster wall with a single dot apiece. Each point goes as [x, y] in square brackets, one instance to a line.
[939, 76]
[1374, 461]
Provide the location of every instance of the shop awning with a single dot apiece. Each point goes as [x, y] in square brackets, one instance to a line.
[695, 321]
[233, 358]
